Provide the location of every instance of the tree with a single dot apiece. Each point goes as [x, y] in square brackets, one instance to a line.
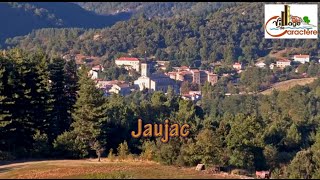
[22, 89]
[89, 113]
[209, 147]
[3, 104]
[293, 138]
[245, 139]
[98, 148]
[123, 150]
[185, 87]
[60, 121]
[148, 150]
[71, 87]
[270, 153]
[302, 166]
[40, 145]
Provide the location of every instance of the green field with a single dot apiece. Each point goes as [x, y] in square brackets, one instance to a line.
[105, 169]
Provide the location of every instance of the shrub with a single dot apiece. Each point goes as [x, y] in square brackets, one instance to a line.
[123, 150]
[148, 150]
[41, 147]
[6, 156]
[67, 147]
[111, 155]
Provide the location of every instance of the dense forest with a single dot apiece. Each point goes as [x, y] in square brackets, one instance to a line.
[155, 9]
[61, 114]
[20, 18]
[228, 34]
[49, 108]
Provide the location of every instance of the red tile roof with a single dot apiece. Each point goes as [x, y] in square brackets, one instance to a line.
[301, 56]
[184, 72]
[127, 59]
[97, 67]
[184, 67]
[195, 70]
[284, 60]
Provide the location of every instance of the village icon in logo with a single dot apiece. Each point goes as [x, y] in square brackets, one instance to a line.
[287, 25]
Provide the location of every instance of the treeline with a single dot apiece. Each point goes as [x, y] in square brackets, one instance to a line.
[229, 34]
[49, 109]
[155, 9]
[37, 96]
[255, 79]
[20, 18]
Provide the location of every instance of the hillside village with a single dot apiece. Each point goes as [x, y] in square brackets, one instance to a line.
[155, 76]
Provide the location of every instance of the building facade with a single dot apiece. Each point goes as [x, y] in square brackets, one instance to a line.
[301, 58]
[193, 75]
[154, 82]
[128, 63]
[282, 63]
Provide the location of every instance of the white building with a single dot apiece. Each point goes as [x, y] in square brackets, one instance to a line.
[261, 64]
[271, 66]
[128, 63]
[122, 89]
[282, 63]
[93, 74]
[301, 58]
[192, 95]
[154, 82]
[98, 68]
[237, 66]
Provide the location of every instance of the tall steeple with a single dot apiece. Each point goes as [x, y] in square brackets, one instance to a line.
[144, 66]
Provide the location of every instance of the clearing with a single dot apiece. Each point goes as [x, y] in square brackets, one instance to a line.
[90, 168]
[285, 85]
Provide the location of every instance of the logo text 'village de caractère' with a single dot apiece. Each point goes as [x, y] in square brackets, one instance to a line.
[294, 21]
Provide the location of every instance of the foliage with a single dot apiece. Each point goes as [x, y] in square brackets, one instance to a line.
[123, 150]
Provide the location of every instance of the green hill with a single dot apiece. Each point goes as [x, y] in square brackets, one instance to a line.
[226, 34]
[19, 18]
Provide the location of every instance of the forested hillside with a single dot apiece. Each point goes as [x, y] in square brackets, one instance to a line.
[61, 114]
[229, 34]
[20, 18]
[155, 9]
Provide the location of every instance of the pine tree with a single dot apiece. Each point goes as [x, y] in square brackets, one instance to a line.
[89, 113]
[4, 114]
[42, 98]
[71, 86]
[22, 90]
[59, 113]
[4, 103]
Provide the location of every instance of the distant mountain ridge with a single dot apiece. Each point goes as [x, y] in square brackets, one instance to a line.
[20, 18]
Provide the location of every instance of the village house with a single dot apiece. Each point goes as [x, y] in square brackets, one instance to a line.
[128, 63]
[102, 84]
[192, 95]
[184, 73]
[301, 58]
[154, 82]
[115, 86]
[237, 66]
[98, 68]
[261, 64]
[120, 88]
[272, 65]
[95, 70]
[282, 63]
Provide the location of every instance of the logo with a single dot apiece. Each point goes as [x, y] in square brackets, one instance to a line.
[295, 21]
